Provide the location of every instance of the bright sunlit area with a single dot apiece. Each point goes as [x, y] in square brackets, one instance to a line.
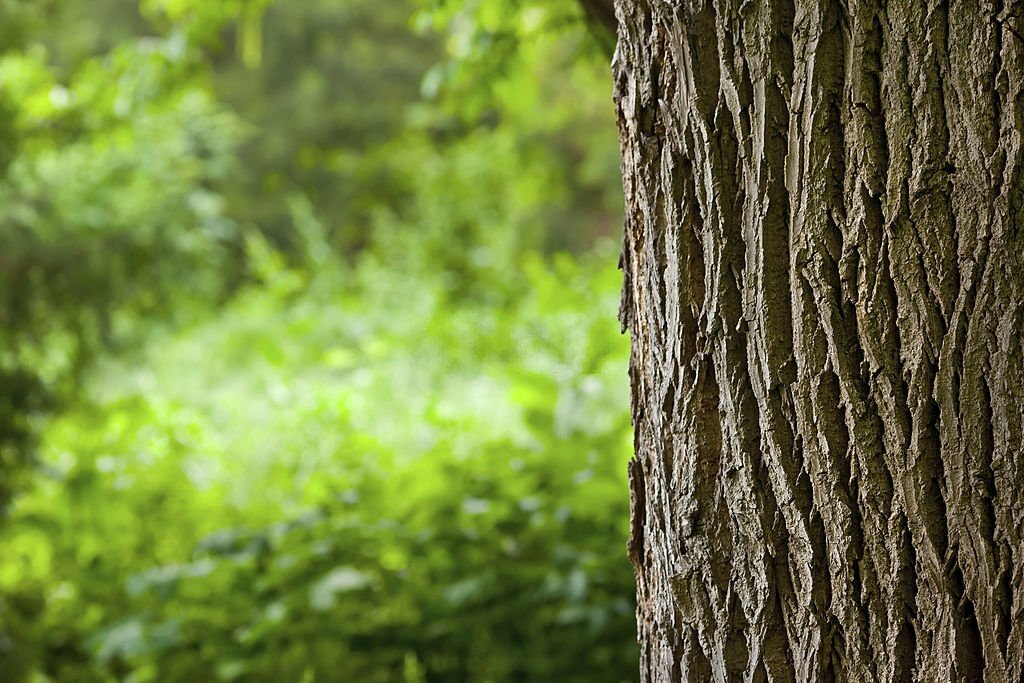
[310, 368]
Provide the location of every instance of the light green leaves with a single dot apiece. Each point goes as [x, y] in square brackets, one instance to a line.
[323, 594]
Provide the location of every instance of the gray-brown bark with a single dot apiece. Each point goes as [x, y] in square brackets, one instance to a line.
[825, 291]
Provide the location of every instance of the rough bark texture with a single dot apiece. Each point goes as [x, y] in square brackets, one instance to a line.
[825, 290]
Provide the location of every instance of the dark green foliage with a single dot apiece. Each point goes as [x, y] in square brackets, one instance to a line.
[335, 84]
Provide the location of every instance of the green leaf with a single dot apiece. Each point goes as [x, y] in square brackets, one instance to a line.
[323, 593]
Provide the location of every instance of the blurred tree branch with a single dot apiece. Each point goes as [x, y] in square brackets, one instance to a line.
[601, 19]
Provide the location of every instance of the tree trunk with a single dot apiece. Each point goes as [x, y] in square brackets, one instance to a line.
[825, 291]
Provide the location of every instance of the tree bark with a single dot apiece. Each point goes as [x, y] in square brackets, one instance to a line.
[824, 285]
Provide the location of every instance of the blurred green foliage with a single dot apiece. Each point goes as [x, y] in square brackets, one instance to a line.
[308, 361]
[344, 475]
[107, 210]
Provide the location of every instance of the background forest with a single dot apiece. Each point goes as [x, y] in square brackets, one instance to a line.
[309, 368]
